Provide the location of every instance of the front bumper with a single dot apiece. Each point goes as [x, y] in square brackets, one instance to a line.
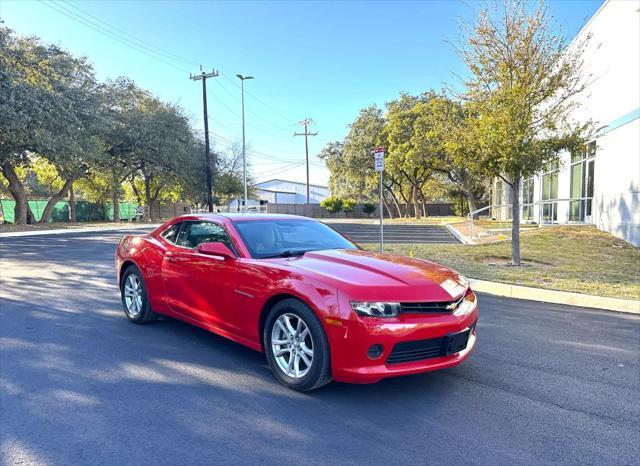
[351, 341]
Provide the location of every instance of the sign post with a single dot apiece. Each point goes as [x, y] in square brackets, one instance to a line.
[378, 158]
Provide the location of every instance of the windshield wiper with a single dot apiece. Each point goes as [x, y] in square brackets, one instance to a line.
[287, 253]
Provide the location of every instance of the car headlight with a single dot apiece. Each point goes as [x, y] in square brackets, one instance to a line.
[464, 281]
[376, 309]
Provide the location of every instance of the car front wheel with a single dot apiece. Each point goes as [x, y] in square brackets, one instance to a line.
[296, 346]
[134, 297]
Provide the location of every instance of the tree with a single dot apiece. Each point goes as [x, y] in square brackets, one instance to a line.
[46, 108]
[165, 148]
[121, 113]
[521, 84]
[407, 160]
[442, 130]
[365, 133]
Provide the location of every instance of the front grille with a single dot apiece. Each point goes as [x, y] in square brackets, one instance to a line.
[418, 350]
[437, 307]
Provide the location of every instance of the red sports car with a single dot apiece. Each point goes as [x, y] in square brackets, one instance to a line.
[320, 307]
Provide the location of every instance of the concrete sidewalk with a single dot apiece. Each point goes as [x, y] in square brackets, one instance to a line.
[60, 231]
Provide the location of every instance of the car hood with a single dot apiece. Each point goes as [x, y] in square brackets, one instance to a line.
[380, 276]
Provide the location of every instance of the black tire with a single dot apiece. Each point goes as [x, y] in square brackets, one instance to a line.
[145, 315]
[319, 373]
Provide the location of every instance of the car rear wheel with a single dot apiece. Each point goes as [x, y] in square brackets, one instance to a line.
[296, 346]
[134, 297]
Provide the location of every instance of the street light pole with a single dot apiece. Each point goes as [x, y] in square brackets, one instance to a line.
[244, 151]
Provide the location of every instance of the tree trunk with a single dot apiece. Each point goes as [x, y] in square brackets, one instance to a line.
[72, 205]
[31, 219]
[471, 201]
[394, 198]
[51, 203]
[116, 207]
[416, 204]
[135, 190]
[147, 194]
[16, 188]
[515, 224]
[386, 206]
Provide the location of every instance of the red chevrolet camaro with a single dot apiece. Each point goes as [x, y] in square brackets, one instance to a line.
[320, 307]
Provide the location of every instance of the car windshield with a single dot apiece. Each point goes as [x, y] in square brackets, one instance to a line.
[282, 238]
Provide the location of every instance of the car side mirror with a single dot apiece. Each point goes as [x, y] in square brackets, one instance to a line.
[218, 249]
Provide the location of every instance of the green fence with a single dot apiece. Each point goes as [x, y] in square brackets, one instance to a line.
[85, 211]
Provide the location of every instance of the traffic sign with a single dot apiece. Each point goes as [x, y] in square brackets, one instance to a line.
[378, 158]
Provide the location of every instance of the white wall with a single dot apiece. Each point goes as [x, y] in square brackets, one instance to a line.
[317, 193]
[617, 182]
[612, 101]
[612, 63]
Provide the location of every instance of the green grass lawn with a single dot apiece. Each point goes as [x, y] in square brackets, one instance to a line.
[493, 224]
[570, 258]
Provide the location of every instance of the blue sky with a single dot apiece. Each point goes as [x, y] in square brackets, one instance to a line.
[323, 60]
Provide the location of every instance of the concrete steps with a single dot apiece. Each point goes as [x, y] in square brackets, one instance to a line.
[370, 233]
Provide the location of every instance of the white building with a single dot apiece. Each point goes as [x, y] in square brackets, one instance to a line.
[600, 186]
[278, 191]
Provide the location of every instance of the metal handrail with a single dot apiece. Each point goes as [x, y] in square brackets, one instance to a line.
[470, 215]
[502, 221]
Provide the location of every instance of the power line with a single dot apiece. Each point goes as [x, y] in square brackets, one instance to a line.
[97, 28]
[149, 45]
[150, 50]
[260, 101]
[306, 122]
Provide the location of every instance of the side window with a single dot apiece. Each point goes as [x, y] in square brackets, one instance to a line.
[196, 233]
[171, 234]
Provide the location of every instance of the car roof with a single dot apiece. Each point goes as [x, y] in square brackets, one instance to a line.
[236, 216]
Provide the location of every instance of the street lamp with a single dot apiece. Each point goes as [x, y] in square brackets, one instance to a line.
[244, 152]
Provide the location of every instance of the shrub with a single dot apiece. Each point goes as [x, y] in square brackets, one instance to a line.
[332, 204]
[369, 208]
[348, 205]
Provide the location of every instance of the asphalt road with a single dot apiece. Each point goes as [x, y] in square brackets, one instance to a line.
[80, 385]
[370, 233]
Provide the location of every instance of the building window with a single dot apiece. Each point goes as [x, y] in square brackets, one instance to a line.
[582, 175]
[550, 193]
[527, 199]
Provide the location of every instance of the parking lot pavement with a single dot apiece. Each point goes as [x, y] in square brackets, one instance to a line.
[370, 233]
[80, 385]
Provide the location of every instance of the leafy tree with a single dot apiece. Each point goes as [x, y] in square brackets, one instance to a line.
[165, 148]
[407, 160]
[333, 204]
[442, 131]
[47, 108]
[522, 80]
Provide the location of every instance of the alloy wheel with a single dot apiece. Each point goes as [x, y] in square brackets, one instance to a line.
[133, 295]
[292, 345]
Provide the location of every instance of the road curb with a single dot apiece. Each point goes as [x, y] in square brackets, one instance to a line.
[13, 234]
[556, 297]
[459, 236]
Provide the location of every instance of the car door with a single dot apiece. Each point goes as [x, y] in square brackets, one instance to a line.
[199, 286]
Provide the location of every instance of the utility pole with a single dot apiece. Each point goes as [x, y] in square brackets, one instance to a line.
[207, 156]
[244, 150]
[306, 122]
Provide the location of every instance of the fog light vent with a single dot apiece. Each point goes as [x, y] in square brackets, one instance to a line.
[375, 351]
